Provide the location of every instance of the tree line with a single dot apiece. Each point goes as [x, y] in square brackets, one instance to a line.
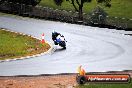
[78, 4]
[26, 2]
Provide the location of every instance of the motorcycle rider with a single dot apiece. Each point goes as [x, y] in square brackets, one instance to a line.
[58, 39]
[57, 36]
[54, 35]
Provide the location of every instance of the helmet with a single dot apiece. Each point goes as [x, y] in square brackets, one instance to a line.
[54, 32]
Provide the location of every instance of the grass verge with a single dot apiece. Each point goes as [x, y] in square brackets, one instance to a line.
[103, 85]
[15, 45]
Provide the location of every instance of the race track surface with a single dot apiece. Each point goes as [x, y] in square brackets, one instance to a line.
[96, 49]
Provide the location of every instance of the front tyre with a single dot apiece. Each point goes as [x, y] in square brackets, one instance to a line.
[63, 44]
[81, 80]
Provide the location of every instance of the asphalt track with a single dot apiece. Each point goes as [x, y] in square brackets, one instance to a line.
[96, 49]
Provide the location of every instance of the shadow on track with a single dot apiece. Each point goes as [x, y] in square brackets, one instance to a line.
[55, 50]
[59, 50]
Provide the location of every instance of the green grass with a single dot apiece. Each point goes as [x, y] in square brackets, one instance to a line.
[15, 45]
[120, 8]
[102, 85]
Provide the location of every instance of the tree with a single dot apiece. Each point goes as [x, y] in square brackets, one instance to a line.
[78, 5]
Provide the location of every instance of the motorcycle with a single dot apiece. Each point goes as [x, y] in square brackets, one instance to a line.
[60, 40]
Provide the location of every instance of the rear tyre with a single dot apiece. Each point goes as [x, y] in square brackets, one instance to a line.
[64, 47]
[63, 44]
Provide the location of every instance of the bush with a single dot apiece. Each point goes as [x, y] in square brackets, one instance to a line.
[26, 2]
[98, 16]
